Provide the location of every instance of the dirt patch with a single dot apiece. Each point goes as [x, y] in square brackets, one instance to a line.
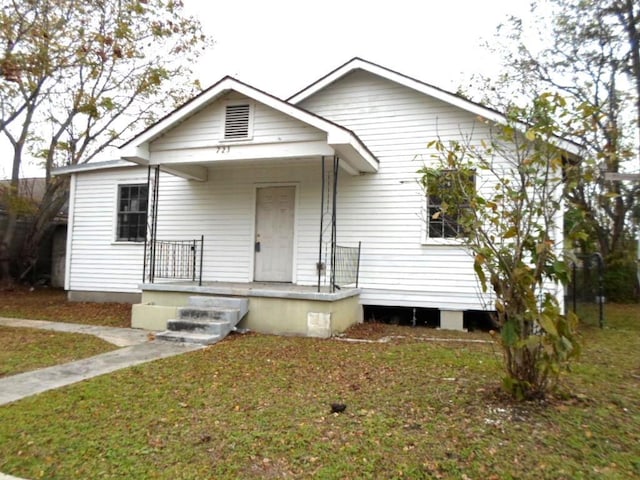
[377, 331]
[52, 304]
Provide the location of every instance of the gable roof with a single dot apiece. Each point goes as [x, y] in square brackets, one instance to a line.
[342, 139]
[357, 63]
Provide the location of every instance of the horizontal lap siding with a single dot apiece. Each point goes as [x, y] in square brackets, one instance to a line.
[205, 129]
[385, 210]
[221, 209]
[97, 262]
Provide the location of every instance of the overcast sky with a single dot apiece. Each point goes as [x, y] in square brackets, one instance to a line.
[281, 46]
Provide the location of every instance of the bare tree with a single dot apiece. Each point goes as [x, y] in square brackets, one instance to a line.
[589, 55]
[75, 76]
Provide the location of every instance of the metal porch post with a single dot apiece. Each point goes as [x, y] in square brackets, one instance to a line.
[146, 235]
[154, 224]
[332, 285]
[319, 264]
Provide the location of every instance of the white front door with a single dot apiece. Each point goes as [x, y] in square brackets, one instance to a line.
[274, 234]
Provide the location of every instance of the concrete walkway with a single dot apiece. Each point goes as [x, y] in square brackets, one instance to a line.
[26, 384]
[137, 349]
[4, 476]
[122, 337]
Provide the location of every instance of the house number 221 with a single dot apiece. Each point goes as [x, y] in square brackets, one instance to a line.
[223, 149]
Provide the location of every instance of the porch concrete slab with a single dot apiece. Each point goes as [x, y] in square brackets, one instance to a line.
[122, 337]
[252, 289]
[31, 383]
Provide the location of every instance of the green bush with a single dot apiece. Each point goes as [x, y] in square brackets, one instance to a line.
[620, 281]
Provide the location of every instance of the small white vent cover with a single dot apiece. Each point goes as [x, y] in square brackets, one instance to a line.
[236, 121]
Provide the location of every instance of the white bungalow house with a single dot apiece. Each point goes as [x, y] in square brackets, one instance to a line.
[308, 207]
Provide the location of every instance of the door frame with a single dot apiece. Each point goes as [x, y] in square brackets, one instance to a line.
[254, 212]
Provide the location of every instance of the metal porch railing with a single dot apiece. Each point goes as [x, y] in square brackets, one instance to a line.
[175, 260]
[346, 266]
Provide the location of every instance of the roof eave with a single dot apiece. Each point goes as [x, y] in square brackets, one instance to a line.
[349, 148]
[342, 140]
[89, 167]
[360, 64]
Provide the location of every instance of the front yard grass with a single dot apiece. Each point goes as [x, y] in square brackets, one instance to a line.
[52, 304]
[24, 349]
[256, 406]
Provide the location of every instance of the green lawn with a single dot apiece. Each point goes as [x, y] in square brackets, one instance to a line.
[257, 406]
[23, 349]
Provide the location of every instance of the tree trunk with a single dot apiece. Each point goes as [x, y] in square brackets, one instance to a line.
[630, 14]
[50, 206]
[6, 279]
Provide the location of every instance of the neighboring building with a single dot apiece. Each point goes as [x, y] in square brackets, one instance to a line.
[275, 188]
[49, 268]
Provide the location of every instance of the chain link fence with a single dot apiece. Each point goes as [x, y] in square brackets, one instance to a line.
[585, 293]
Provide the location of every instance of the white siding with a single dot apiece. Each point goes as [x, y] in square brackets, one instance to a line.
[221, 209]
[97, 262]
[206, 128]
[386, 210]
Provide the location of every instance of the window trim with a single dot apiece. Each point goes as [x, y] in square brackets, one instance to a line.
[116, 217]
[232, 103]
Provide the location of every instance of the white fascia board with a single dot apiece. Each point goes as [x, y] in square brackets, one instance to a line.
[563, 144]
[435, 93]
[283, 107]
[257, 152]
[334, 132]
[359, 64]
[179, 115]
[92, 166]
[450, 98]
[136, 153]
[227, 84]
[348, 168]
[352, 151]
[138, 149]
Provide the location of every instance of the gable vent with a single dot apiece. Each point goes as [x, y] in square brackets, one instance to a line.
[236, 124]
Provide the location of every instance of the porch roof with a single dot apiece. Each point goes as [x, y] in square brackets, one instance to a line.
[340, 140]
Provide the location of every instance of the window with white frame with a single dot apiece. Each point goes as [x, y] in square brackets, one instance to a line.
[440, 224]
[238, 121]
[132, 212]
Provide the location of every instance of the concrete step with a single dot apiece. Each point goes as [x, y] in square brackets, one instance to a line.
[206, 320]
[239, 303]
[188, 337]
[231, 315]
[211, 327]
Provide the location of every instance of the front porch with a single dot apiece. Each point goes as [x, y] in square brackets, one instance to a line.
[274, 308]
[243, 187]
